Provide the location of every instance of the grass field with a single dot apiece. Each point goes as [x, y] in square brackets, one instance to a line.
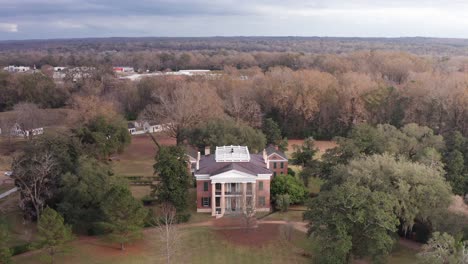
[294, 214]
[198, 245]
[321, 145]
[203, 245]
[138, 158]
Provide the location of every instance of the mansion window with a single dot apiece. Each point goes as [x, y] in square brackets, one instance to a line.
[260, 186]
[206, 201]
[205, 186]
[282, 165]
[261, 201]
[274, 165]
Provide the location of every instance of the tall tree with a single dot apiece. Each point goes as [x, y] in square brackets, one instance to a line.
[103, 137]
[223, 132]
[29, 117]
[37, 170]
[53, 234]
[171, 169]
[82, 192]
[305, 153]
[351, 220]
[124, 215]
[272, 131]
[418, 188]
[35, 176]
[185, 107]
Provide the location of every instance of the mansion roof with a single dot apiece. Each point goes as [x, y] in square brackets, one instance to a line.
[210, 166]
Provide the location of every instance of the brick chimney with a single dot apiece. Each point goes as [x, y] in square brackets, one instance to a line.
[265, 159]
[198, 161]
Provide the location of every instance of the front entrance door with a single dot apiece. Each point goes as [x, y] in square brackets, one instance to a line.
[233, 204]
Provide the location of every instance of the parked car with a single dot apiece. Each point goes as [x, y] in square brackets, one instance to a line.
[8, 173]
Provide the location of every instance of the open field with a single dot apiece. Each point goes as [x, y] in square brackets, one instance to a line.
[294, 213]
[204, 245]
[321, 145]
[138, 158]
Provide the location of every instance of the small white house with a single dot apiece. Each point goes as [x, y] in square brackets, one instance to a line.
[13, 68]
[123, 69]
[16, 131]
[142, 127]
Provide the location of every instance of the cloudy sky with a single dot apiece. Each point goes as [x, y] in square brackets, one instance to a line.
[33, 19]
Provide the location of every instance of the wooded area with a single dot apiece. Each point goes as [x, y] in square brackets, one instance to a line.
[397, 109]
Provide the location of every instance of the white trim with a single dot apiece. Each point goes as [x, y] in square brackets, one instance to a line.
[232, 154]
[203, 210]
[264, 176]
[283, 159]
[233, 176]
[202, 177]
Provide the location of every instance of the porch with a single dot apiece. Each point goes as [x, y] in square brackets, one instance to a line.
[232, 198]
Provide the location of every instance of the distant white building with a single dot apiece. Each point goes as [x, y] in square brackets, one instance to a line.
[138, 76]
[59, 68]
[142, 127]
[123, 69]
[13, 68]
[16, 131]
[75, 73]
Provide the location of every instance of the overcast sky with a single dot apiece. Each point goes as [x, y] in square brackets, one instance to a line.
[32, 19]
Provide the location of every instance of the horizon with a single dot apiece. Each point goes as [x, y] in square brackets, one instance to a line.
[65, 19]
[233, 36]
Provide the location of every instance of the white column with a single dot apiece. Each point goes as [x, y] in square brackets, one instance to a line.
[213, 199]
[254, 195]
[223, 202]
[244, 197]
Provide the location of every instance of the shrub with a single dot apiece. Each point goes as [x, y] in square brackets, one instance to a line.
[183, 217]
[282, 202]
[148, 200]
[20, 249]
[287, 184]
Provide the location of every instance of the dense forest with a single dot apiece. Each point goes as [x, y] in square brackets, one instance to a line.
[397, 109]
[309, 94]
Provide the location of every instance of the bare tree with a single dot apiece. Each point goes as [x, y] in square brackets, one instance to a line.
[28, 118]
[168, 232]
[35, 180]
[7, 121]
[183, 108]
[248, 213]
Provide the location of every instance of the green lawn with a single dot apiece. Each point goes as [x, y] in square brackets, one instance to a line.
[140, 191]
[198, 245]
[142, 167]
[294, 215]
[6, 187]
